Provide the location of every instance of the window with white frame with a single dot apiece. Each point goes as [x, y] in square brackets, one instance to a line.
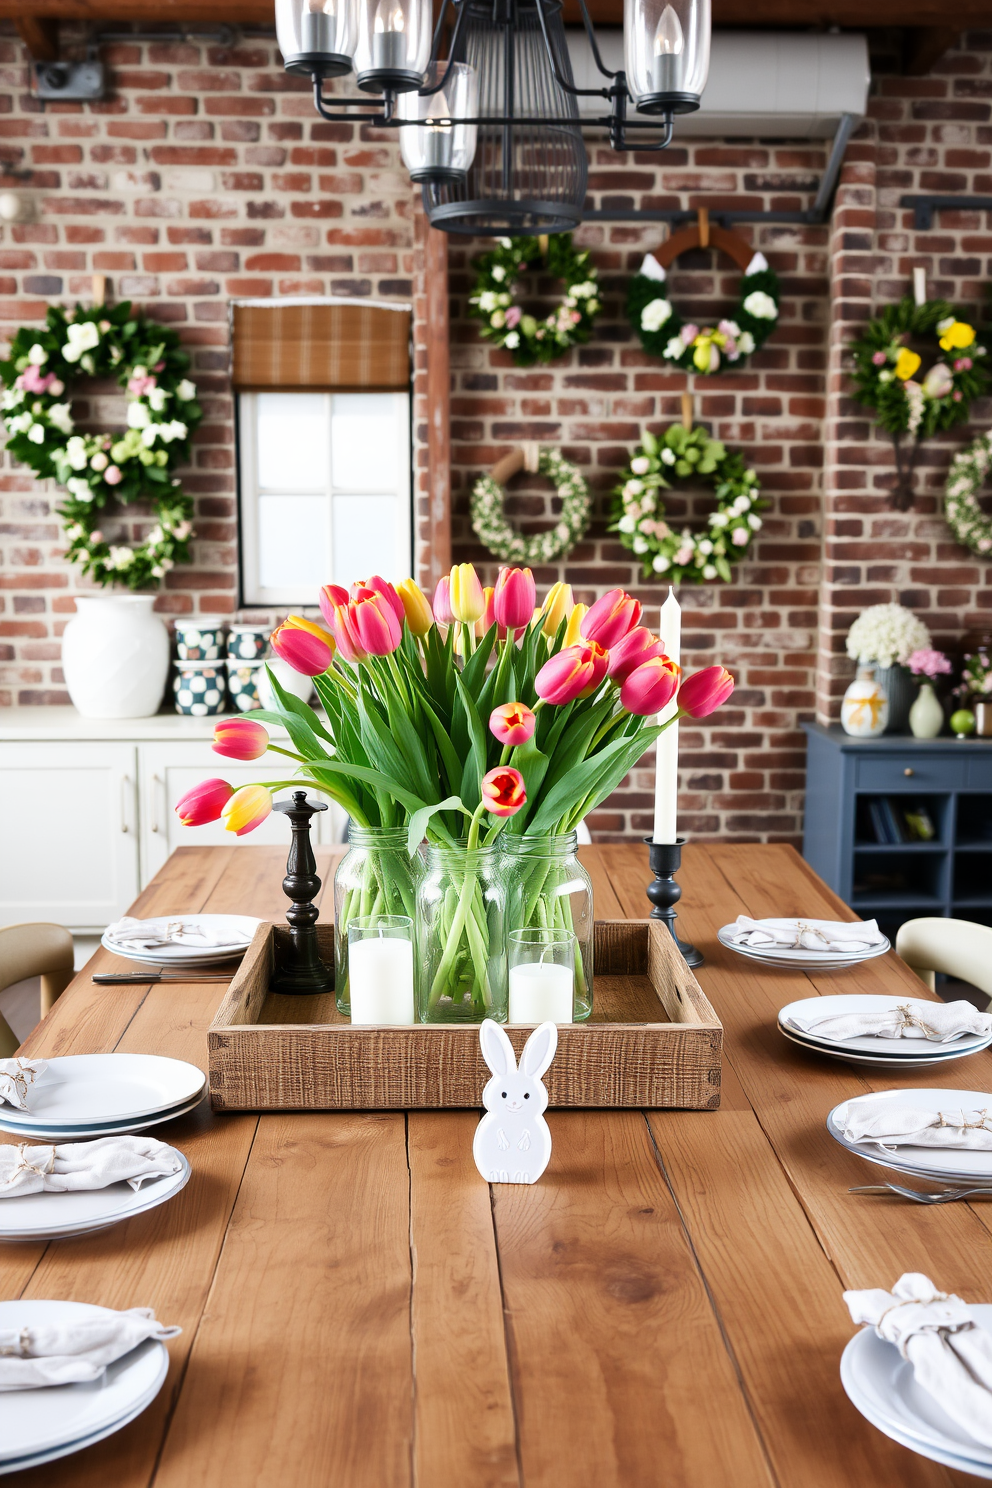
[325, 491]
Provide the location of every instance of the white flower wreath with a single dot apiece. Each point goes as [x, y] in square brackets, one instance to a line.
[968, 473]
[491, 526]
[508, 326]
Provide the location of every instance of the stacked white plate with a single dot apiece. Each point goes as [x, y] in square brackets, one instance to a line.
[893, 1054]
[881, 1384]
[99, 1095]
[943, 1165]
[61, 1216]
[40, 1425]
[229, 935]
[800, 960]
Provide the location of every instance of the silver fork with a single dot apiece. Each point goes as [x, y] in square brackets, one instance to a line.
[946, 1196]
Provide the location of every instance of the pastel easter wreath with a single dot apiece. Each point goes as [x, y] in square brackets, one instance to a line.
[677, 555]
[885, 381]
[968, 473]
[490, 523]
[506, 324]
[97, 469]
[698, 348]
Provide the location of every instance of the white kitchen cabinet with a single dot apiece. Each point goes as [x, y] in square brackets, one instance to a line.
[87, 809]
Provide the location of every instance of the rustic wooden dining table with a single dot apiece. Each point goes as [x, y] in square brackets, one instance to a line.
[359, 1309]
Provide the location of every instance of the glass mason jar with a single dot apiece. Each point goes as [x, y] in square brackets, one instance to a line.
[461, 942]
[376, 876]
[547, 888]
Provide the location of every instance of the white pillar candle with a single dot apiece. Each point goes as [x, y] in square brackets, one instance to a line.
[920, 285]
[541, 992]
[380, 979]
[666, 780]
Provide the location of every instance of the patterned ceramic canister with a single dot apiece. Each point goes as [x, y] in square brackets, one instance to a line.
[200, 688]
[864, 712]
[242, 684]
[202, 639]
[247, 642]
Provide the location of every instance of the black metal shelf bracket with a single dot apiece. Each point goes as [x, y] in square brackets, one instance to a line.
[923, 207]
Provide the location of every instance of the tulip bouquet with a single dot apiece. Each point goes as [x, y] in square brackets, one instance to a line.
[457, 721]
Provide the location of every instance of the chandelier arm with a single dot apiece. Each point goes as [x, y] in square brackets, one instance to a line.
[452, 49]
[565, 86]
[594, 44]
[326, 113]
[625, 124]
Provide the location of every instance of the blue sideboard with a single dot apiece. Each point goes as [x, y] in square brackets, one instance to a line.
[857, 788]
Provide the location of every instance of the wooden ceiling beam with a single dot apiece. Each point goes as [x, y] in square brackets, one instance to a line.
[40, 36]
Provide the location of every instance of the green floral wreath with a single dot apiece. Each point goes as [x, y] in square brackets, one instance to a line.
[697, 348]
[96, 469]
[968, 473]
[885, 368]
[491, 526]
[505, 324]
[640, 514]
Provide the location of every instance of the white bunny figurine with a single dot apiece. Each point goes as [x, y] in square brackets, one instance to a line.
[512, 1141]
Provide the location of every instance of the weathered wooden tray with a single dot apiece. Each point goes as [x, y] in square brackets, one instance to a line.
[653, 1040]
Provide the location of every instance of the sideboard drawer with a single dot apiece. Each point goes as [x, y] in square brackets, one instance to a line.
[979, 771]
[896, 772]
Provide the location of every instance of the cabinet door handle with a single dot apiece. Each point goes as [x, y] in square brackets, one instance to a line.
[157, 782]
[125, 787]
[908, 771]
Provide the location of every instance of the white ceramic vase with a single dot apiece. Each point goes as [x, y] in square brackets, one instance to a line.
[865, 709]
[115, 656]
[289, 679]
[926, 716]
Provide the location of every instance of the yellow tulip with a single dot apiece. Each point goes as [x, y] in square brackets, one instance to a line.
[416, 606]
[906, 364]
[465, 594]
[575, 619]
[957, 336]
[557, 607]
[247, 809]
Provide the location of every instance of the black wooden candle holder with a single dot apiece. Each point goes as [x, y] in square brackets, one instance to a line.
[300, 971]
[665, 859]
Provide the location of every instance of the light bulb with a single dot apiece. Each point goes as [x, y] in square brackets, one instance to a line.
[668, 39]
[388, 19]
[439, 115]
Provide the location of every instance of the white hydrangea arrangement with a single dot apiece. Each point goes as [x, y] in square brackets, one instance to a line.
[887, 634]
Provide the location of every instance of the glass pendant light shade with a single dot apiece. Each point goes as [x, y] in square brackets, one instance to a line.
[666, 53]
[530, 178]
[439, 150]
[316, 36]
[394, 44]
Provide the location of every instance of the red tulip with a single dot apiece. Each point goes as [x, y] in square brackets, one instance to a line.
[306, 647]
[651, 686]
[345, 635]
[331, 595]
[574, 672]
[204, 803]
[513, 723]
[503, 791]
[240, 738]
[610, 618]
[637, 646]
[384, 588]
[704, 691]
[514, 598]
[373, 621]
[443, 613]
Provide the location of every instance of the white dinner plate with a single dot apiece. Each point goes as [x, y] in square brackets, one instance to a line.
[800, 956]
[56, 1216]
[237, 931]
[881, 1384]
[856, 1002]
[116, 1129]
[34, 1421]
[37, 1459]
[934, 1163]
[86, 1089]
[922, 1449]
[879, 1061]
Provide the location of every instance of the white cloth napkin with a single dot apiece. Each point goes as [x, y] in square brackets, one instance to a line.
[73, 1352]
[939, 1022]
[950, 1352]
[889, 1125]
[807, 935]
[142, 936]
[68, 1166]
[16, 1078]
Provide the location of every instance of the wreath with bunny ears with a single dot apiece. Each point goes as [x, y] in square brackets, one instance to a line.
[100, 469]
[698, 348]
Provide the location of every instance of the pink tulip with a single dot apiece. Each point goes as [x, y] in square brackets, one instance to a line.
[204, 803]
[307, 650]
[610, 618]
[503, 791]
[514, 598]
[704, 691]
[512, 723]
[381, 587]
[573, 672]
[443, 613]
[345, 635]
[488, 617]
[637, 646]
[651, 686]
[331, 595]
[240, 738]
[375, 625]
[247, 809]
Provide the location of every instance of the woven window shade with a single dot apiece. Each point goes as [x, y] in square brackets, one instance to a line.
[347, 346]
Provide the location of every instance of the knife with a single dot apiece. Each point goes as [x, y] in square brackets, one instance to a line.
[117, 978]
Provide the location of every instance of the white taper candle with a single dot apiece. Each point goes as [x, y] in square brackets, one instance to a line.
[920, 285]
[666, 780]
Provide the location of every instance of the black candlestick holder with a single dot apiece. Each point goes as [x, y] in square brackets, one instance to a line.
[300, 971]
[665, 859]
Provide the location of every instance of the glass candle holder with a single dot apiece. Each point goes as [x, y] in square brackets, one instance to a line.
[393, 45]
[316, 37]
[437, 149]
[380, 968]
[541, 975]
[666, 53]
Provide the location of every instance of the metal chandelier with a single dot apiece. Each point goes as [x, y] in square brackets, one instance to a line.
[492, 133]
